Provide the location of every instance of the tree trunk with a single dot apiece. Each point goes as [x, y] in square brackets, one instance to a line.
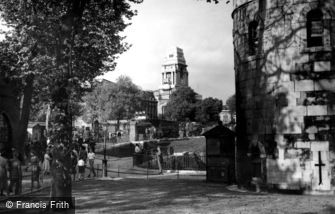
[24, 114]
[61, 184]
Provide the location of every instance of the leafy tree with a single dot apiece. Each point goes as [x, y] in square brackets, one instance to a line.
[62, 45]
[231, 103]
[182, 104]
[96, 102]
[208, 110]
[124, 100]
[113, 101]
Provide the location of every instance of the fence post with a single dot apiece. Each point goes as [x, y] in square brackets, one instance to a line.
[147, 169]
[177, 170]
[147, 159]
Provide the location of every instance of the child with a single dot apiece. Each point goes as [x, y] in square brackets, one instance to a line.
[81, 167]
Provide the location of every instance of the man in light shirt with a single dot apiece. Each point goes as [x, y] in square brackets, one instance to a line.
[91, 157]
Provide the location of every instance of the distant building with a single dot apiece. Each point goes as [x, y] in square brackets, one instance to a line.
[36, 131]
[174, 75]
[148, 106]
[225, 116]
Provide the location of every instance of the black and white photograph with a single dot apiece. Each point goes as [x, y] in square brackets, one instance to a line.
[167, 106]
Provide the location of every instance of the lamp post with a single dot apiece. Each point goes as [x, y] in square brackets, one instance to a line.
[104, 161]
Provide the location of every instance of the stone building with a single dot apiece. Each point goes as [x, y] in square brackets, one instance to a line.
[285, 84]
[148, 106]
[174, 75]
[9, 118]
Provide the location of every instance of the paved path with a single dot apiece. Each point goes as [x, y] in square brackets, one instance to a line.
[187, 196]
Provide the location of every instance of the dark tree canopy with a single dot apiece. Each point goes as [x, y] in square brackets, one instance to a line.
[182, 104]
[208, 110]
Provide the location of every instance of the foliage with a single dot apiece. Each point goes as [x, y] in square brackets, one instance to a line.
[112, 101]
[231, 103]
[65, 44]
[208, 110]
[182, 104]
[60, 46]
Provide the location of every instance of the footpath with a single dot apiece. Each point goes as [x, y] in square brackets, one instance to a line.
[158, 195]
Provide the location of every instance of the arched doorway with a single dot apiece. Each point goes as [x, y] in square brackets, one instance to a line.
[5, 132]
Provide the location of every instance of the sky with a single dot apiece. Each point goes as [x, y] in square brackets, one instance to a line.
[202, 30]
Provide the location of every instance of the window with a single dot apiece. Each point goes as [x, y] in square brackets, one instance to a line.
[253, 37]
[168, 78]
[314, 28]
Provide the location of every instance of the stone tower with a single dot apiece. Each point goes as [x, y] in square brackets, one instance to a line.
[174, 69]
[285, 90]
[174, 74]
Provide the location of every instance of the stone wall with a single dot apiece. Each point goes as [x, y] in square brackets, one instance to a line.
[9, 107]
[285, 87]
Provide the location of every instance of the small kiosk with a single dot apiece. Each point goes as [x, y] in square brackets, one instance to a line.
[220, 154]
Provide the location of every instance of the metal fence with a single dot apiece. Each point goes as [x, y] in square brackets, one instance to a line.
[146, 166]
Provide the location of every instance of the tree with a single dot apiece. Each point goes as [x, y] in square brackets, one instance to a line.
[125, 99]
[182, 104]
[208, 110]
[96, 100]
[231, 103]
[113, 101]
[63, 45]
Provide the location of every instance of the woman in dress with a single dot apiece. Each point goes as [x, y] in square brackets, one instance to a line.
[46, 163]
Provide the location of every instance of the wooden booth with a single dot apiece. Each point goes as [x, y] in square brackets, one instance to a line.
[220, 154]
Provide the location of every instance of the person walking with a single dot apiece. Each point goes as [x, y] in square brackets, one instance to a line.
[83, 153]
[46, 163]
[159, 159]
[91, 157]
[3, 174]
[15, 174]
[35, 170]
[74, 161]
[81, 168]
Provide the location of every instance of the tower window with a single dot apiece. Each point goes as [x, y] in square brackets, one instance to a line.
[253, 37]
[314, 28]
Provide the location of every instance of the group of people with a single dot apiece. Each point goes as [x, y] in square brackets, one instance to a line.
[10, 172]
[12, 166]
[81, 160]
